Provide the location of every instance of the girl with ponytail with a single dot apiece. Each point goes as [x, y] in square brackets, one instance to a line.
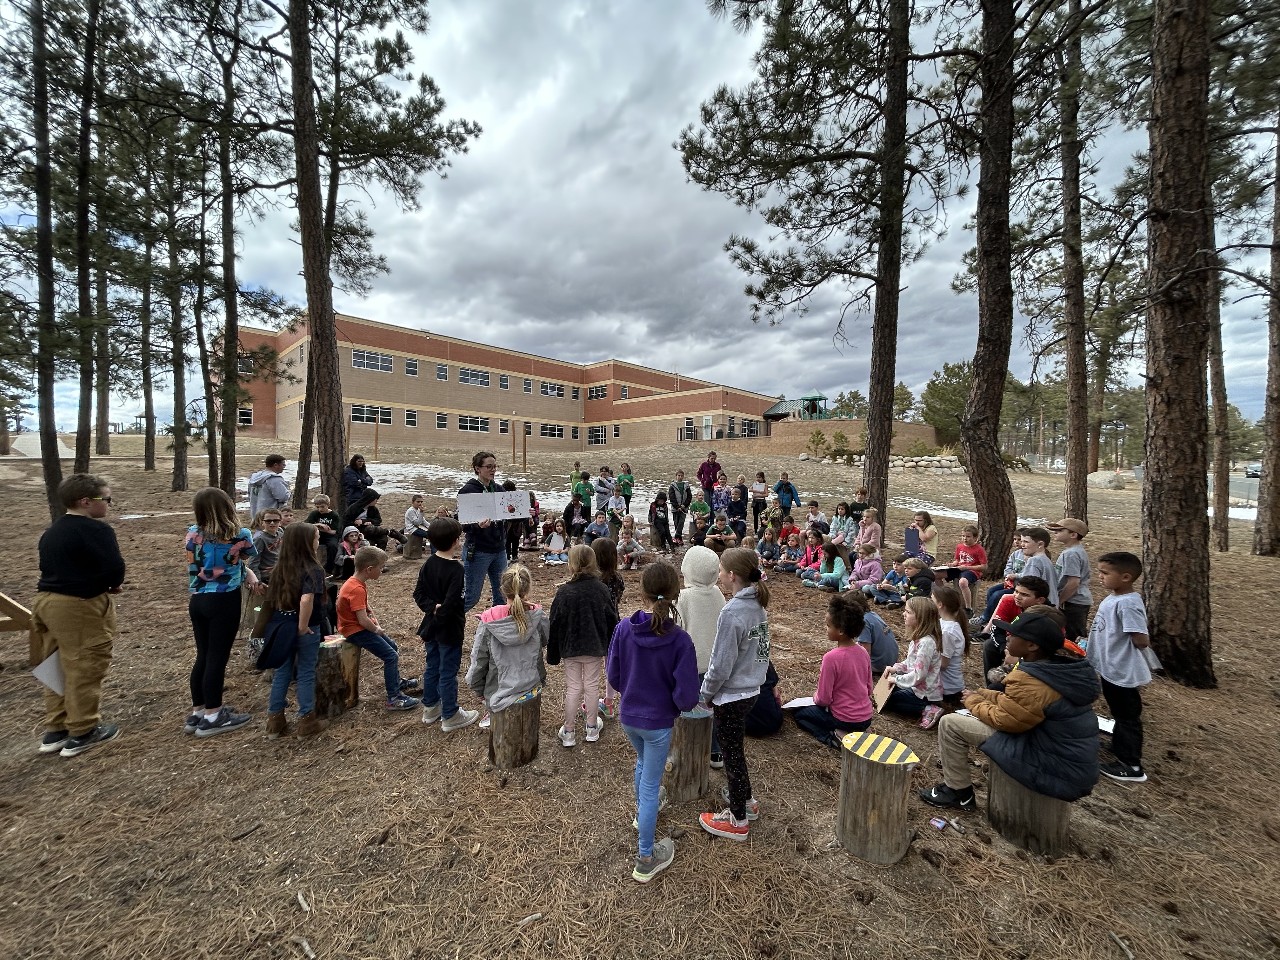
[653, 664]
[506, 655]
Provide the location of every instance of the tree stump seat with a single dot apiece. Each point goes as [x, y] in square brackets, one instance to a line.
[1027, 819]
[413, 549]
[875, 782]
[513, 734]
[689, 759]
[337, 679]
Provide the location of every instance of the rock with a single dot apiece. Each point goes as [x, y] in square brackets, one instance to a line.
[1106, 480]
[804, 456]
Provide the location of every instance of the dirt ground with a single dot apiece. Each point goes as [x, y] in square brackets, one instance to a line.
[384, 838]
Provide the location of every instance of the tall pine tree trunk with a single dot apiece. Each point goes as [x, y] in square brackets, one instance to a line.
[1175, 519]
[102, 359]
[148, 378]
[46, 323]
[229, 372]
[307, 438]
[980, 428]
[1073, 320]
[83, 244]
[1266, 529]
[323, 355]
[884, 326]
[178, 367]
[202, 339]
[1220, 427]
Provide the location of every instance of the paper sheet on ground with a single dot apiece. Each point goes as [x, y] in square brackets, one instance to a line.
[797, 703]
[502, 505]
[49, 672]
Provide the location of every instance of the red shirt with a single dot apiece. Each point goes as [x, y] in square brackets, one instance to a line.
[352, 597]
[969, 556]
[787, 531]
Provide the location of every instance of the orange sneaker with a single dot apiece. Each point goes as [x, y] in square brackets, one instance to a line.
[722, 825]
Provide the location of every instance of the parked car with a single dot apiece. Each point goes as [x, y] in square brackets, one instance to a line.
[1253, 470]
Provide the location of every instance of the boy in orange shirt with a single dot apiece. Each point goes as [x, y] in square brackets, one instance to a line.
[357, 622]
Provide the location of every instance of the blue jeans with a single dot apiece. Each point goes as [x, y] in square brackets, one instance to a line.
[993, 600]
[303, 667]
[652, 747]
[440, 676]
[830, 580]
[474, 568]
[385, 649]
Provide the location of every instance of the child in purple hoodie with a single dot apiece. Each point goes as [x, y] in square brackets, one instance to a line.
[653, 665]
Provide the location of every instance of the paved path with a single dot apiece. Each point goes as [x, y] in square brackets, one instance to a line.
[28, 445]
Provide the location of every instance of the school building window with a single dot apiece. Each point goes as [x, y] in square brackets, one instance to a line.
[302, 353]
[244, 365]
[411, 418]
[552, 389]
[528, 429]
[597, 393]
[617, 431]
[368, 360]
[410, 367]
[442, 371]
[576, 393]
[750, 428]
[690, 431]
[733, 424]
[595, 436]
[528, 385]
[473, 424]
[504, 426]
[244, 416]
[504, 382]
[553, 430]
[624, 392]
[300, 411]
[477, 378]
[442, 421]
[367, 413]
[575, 433]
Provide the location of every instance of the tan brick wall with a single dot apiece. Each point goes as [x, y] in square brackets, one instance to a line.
[792, 436]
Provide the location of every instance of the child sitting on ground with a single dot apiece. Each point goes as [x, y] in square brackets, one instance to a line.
[790, 555]
[556, 545]
[720, 537]
[345, 564]
[876, 637]
[357, 622]
[892, 584]
[575, 518]
[788, 529]
[920, 580]
[698, 532]
[917, 678]
[630, 552]
[1116, 645]
[1040, 730]
[597, 528]
[842, 702]
[810, 562]
[831, 574]
[767, 549]
[867, 570]
[869, 529]
[506, 654]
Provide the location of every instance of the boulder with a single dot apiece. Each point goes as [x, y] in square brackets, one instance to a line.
[804, 456]
[1106, 480]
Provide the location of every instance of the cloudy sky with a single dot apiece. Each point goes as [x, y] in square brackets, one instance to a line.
[569, 229]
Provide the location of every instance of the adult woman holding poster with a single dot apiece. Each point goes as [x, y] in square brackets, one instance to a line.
[485, 551]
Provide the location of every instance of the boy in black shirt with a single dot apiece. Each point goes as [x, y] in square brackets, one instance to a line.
[74, 614]
[439, 596]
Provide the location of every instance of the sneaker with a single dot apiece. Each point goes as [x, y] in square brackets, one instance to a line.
[402, 702]
[102, 733]
[432, 713]
[593, 733]
[664, 852]
[609, 709]
[463, 718]
[717, 761]
[721, 825]
[192, 723]
[930, 717]
[409, 683]
[225, 720]
[753, 805]
[485, 722]
[53, 741]
[941, 795]
[808, 583]
[1121, 772]
[568, 738]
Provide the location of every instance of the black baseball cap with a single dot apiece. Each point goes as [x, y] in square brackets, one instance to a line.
[1035, 628]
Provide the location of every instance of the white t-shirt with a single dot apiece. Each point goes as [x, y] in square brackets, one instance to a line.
[953, 649]
[1111, 650]
[1074, 562]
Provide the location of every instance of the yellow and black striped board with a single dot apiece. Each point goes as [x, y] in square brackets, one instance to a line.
[879, 749]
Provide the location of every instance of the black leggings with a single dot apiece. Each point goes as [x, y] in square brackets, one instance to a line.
[215, 618]
[731, 727]
[757, 507]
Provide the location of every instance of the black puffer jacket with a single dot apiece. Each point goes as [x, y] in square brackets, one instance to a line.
[583, 616]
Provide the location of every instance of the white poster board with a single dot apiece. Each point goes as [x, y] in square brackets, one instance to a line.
[49, 672]
[500, 505]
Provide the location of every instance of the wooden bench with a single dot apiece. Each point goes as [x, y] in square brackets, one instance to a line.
[1025, 818]
[875, 782]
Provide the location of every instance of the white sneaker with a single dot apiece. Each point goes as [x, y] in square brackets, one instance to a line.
[463, 718]
[485, 721]
[593, 733]
[431, 714]
[568, 738]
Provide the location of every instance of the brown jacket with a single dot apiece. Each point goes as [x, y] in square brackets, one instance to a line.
[1017, 708]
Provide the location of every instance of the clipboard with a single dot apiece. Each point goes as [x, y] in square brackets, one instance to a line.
[880, 693]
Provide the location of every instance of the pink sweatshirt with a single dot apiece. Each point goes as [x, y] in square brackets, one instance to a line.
[844, 683]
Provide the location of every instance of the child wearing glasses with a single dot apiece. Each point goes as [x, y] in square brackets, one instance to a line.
[268, 531]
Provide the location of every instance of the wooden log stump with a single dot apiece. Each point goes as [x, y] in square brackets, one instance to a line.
[513, 734]
[1025, 818]
[413, 548]
[689, 760]
[337, 679]
[875, 781]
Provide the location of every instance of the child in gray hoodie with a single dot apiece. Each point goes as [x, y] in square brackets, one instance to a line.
[506, 655]
[739, 663]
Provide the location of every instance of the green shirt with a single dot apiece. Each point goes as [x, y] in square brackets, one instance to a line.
[625, 482]
[700, 507]
[586, 491]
